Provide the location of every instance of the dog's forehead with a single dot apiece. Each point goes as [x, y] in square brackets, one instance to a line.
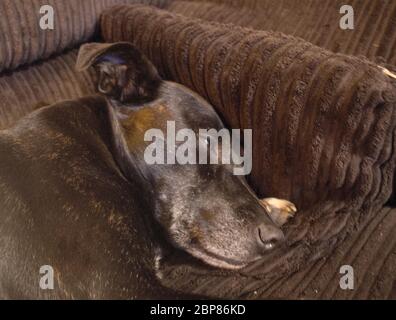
[174, 101]
[146, 117]
[137, 121]
[176, 93]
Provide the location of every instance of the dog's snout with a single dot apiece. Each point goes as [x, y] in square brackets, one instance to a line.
[269, 236]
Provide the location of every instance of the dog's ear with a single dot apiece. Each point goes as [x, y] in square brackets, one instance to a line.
[124, 73]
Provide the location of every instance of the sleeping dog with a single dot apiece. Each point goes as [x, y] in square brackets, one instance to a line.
[77, 194]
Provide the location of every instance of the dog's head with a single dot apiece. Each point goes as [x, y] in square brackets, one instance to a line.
[204, 209]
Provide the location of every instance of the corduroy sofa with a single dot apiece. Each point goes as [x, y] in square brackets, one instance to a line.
[323, 122]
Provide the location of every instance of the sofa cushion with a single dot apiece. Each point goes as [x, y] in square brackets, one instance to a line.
[22, 40]
[42, 83]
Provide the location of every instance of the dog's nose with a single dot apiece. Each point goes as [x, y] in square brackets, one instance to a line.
[269, 236]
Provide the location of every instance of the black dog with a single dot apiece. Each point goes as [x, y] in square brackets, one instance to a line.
[77, 194]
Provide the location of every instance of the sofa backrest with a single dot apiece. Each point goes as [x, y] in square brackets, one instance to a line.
[23, 41]
[316, 21]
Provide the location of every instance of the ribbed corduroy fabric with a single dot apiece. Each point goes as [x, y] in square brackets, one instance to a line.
[323, 131]
[42, 83]
[317, 21]
[22, 41]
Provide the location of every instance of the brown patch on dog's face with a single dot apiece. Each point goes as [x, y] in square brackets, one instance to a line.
[207, 215]
[135, 123]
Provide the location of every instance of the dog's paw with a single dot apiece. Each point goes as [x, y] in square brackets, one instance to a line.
[279, 210]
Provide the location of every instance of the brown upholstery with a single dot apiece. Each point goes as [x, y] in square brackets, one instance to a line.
[316, 21]
[23, 42]
[75, 21]
[43, 83]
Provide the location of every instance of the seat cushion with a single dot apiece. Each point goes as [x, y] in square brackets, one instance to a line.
[42, 83]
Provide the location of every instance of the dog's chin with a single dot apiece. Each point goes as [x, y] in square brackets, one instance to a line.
[218, 261]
